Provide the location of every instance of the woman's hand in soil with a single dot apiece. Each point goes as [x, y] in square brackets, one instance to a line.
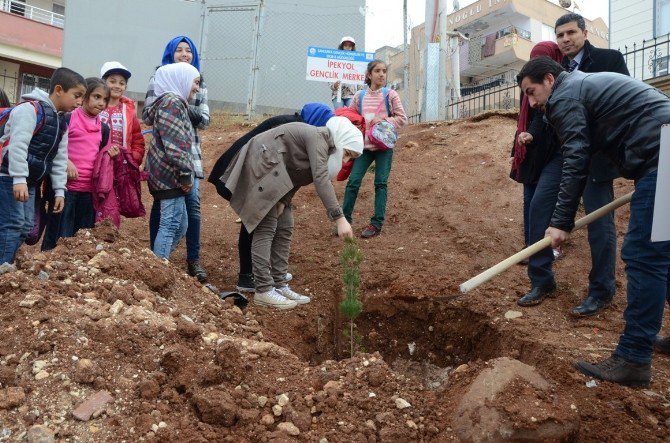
[557, 236]
[344, 228]
[524, 138]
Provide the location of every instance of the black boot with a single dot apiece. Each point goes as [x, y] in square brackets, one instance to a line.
[246, 283]
[197, 271]
[591, 306]
[618, 370]
[536, 295]
[662, 345]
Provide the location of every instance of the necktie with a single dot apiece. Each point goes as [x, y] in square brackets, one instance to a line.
[573, 65]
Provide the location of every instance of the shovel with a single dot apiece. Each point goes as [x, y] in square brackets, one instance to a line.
[535, 248]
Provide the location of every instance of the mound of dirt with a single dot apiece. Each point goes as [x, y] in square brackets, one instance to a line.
[105, 342]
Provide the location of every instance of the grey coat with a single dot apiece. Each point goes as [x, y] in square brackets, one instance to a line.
[273, 165]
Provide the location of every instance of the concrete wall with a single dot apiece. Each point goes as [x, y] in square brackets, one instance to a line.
[249, 53]
[630, 22]
[137, 40]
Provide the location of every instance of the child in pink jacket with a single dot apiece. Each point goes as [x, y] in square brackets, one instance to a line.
[85, 139]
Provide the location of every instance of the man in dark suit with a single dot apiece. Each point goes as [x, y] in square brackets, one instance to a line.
[580, 54]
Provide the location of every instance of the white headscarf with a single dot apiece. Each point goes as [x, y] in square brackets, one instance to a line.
[177, 78]
[345, 136]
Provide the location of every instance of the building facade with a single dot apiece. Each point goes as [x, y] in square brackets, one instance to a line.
[500, 35]
[252, 52]
[641, 31]
[31, 44]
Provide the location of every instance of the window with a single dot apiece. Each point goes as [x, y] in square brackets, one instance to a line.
[661, 17]
[30, 82]
[18, 7]
[548, 33]
[58, 14]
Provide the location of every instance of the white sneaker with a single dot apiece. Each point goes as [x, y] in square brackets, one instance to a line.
[288, 277]
[289, 293]
[273, 299]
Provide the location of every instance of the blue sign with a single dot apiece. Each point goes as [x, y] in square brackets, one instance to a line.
[337, 54]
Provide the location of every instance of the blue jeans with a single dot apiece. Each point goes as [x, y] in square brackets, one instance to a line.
[528, 192]
[602, 240]
[343, 104]
[77, 214]
[172, 227]
[383, 161]
[194, 222]
[648, 274]
[541, 208]
[16, 219]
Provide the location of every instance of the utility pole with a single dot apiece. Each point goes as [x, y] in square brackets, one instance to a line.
[434, 103]
[405, 75]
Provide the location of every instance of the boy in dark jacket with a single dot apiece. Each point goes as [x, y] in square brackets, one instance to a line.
[36, 137]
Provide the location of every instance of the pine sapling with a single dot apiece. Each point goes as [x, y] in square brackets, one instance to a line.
[351, 307]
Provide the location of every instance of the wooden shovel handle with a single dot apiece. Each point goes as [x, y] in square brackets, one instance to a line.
[540, 245]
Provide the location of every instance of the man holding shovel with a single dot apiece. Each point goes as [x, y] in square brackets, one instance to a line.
[620, 117]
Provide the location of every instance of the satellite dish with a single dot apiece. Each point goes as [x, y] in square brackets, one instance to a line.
[565, 3]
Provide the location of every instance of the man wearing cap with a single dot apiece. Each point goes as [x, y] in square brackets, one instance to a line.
[341, 93]
[120, 113]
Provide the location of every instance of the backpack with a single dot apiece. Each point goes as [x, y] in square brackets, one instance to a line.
[383, 134]
[4, 117]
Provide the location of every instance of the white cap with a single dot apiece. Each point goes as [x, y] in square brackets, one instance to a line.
[347, 38]
[110, 68]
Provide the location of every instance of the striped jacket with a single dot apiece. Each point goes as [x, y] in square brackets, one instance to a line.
[169, 161]
[198, 112]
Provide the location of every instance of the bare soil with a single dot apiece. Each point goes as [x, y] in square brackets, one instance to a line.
[101, 312]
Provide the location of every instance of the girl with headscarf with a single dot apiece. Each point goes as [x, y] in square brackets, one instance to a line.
[182, 49]
[264, 176]
[532, 149]
[315, 114]
[169, 161]
[537, 164]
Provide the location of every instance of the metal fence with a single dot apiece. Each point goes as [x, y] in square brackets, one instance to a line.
[33, 13]
[500, 97]
[253, 61]
[649, 59]
[8, 83]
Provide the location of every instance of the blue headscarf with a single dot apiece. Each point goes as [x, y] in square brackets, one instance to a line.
[168, 54]
[316, 114]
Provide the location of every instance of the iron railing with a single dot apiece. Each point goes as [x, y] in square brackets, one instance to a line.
[649, 59]
[504, 97]
[32, 13]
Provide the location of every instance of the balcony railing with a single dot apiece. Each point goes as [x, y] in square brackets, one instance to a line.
[649, 59]
[32, 13]
[513, 30]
